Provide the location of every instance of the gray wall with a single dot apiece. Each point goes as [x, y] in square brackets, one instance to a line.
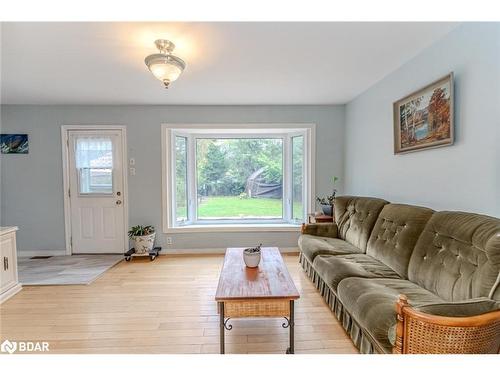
[465, 176]
[31, 185]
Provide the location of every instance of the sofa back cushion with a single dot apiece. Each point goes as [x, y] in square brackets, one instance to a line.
[395, 234]
[355, 218]
[457, 256]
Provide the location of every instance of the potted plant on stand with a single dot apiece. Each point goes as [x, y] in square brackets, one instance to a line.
[143, 237]
[327, 202]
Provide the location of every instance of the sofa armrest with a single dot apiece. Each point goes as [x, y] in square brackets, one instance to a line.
[321, 229]
[421, 332]
[472, 307]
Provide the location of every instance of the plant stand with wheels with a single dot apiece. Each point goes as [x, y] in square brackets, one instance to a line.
[151, 254]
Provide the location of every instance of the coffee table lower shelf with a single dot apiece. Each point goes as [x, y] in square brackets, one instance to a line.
[256, 308]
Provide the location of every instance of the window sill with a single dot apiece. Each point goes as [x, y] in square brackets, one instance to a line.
[235, 228]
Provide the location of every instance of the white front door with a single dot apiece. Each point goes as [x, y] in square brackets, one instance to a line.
[96, 191]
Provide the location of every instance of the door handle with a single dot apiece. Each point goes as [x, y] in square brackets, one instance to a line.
[5, 263]
[118, 202]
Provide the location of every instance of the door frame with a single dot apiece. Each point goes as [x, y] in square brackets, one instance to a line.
[65, 129]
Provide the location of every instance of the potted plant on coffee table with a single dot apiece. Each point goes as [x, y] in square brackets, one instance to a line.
[251, 256]
[143, 237]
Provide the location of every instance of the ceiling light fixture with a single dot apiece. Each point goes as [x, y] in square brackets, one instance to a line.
[165, 66]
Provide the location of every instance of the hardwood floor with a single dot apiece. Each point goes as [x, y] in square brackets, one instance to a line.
[165, 306]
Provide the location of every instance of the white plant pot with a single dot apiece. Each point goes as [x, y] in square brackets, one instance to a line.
[144, 244]
[252, 260]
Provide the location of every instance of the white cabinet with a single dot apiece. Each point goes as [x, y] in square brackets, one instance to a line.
[9, 284]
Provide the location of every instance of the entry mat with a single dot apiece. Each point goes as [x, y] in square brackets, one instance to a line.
[65, 270]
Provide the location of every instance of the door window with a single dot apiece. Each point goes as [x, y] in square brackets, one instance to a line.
[94, 164]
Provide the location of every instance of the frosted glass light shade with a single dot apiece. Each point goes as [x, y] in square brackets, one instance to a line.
[166, 68]
[165, 71]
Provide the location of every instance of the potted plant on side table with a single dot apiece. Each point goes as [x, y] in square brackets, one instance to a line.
[327, 202]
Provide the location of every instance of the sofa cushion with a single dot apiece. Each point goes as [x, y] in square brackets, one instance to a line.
[458, 256]
[372, 304]
[333, 269]
[355, 218]
[311, 246]
[395, 234]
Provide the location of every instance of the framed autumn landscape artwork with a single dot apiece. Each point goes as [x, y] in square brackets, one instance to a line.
[424, 119]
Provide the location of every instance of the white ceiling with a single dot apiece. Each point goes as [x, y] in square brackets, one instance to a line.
[227, 63]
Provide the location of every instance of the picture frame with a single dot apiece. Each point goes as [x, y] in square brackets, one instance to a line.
[424, 119]
[14, 144]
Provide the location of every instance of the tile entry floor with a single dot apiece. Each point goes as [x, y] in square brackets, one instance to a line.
[65, 270]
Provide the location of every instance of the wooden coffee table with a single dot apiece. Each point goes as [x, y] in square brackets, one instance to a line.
[266, 291]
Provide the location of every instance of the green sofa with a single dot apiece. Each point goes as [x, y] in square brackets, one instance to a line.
[445, 263]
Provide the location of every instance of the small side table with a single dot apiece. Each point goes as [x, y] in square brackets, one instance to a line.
[314, 218]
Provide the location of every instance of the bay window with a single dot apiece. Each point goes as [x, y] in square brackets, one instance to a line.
[236, 176]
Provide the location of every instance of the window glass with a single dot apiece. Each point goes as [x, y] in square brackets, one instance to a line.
[239, 178]
[181, 201]
[94, 163]
[297, 178]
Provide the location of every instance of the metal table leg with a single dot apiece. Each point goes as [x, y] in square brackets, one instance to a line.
[221, 326]
[291, 324]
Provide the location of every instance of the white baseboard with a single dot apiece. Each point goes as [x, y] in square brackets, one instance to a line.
[216, 250]
[33, 253]
[10, 292]
[164, 251]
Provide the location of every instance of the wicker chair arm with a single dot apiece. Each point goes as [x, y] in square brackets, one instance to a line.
[418, 332]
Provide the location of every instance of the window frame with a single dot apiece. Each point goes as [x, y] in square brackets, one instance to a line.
[254, 131]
